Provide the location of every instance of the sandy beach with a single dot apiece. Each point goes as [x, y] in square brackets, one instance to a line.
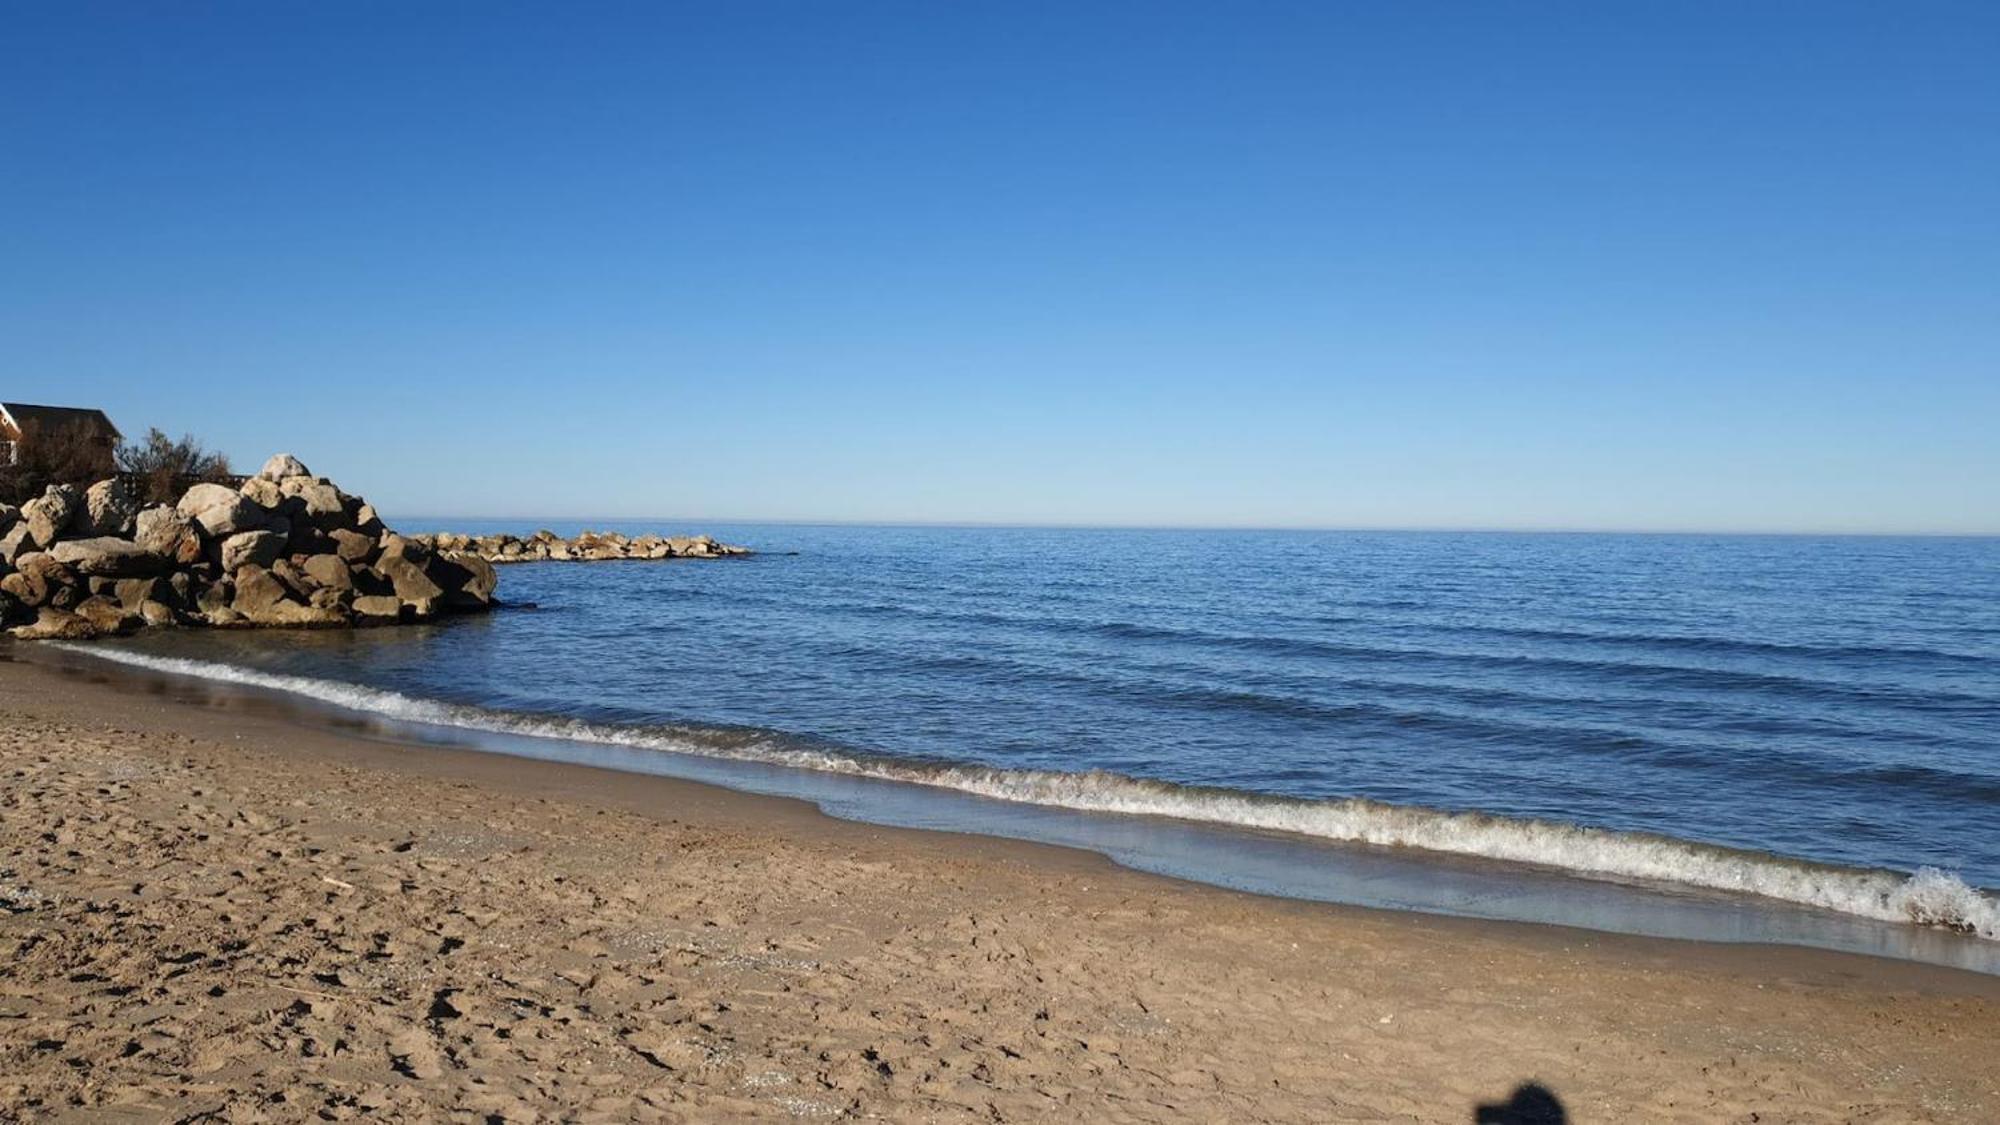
[217, 913]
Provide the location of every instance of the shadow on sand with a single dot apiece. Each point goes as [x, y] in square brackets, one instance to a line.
[1532, 1104]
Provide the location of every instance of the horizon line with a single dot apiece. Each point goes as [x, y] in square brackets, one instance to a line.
[1416, 529]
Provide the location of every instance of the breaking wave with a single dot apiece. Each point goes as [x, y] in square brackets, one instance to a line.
[1930, 897]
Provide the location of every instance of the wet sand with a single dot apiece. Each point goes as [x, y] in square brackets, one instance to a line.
[217, 910]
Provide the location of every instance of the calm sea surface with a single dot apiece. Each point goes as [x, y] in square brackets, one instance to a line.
[1828, 699]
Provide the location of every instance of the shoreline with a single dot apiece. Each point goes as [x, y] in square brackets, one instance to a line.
[1280, 1008]
[1255, 844]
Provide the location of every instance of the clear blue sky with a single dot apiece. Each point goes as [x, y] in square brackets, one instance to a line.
[1597, 265]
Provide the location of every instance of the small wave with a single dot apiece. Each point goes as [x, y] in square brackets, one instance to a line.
[1647, 673]
[1704, 642]
[1930, 897]
[1643, 673]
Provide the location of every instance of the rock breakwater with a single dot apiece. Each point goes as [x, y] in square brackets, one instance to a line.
[590, 546]
[285, 548]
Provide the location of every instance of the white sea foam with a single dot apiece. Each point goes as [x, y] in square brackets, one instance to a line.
[1930, 897]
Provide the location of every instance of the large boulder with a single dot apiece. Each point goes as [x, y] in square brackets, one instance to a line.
[213, 599]
[353, 546]
[107, 557]
[54, 624]
[262, 599]
[106, 616]
[369, 582]
[302, 585]
[133, 593]
[377, 609]
[413, 587]
[232, 516]
[251, 548]
[282, 465]
[396, 546]
[109, 507]
[330, 572]
[263, 493]
[165, 532]
[468, 580]
[52, 513]
[485, 580]
[324, 505]
[16, 542]
[41, 579]
[203, 496]
[258, 593]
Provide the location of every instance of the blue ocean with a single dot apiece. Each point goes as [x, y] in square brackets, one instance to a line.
[1808, 721]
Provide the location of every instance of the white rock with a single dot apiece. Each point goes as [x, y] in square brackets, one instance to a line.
[283, 465]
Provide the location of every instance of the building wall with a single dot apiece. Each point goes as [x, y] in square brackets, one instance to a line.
[102, 445]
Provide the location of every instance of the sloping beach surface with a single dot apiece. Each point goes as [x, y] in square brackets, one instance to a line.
[216, 911]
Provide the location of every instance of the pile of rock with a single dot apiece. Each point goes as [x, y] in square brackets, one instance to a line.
[285, 549]
[591, 546]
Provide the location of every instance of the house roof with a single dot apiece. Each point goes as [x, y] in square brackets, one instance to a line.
[21, 415]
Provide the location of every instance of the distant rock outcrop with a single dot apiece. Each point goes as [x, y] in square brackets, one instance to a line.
[284, 549]
[591, 546]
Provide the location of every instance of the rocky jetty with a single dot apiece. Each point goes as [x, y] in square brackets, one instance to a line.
[286, 548]
[591, 546]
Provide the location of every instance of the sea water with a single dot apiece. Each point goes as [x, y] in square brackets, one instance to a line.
[1788, 720]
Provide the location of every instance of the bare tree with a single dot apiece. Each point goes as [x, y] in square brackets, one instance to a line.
[165, 466]
[62, 453]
